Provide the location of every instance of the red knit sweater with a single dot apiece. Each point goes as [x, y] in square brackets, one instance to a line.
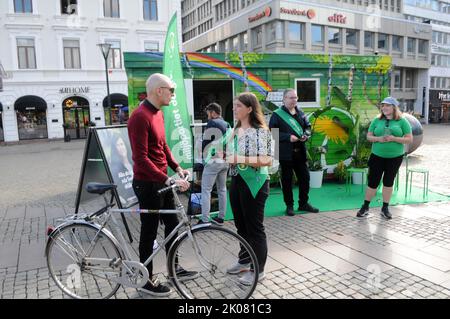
[151, 154]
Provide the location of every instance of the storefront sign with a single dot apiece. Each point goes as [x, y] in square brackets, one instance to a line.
[338, 18]
[310, 13]
[266, 13]
[74, 90]
[445, 97]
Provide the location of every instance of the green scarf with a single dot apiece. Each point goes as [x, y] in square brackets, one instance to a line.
[253, 177]
[290, 121]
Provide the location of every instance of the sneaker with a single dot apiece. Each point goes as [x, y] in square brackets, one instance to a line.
[308, 208]
[155, 288]
[218, 221]
[238, 268]
[247, 278]
[184, 274]
[290, 211]
[201, 222]
[386, 213]
[363, 212]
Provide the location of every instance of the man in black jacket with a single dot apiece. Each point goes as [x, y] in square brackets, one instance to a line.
[294, 129]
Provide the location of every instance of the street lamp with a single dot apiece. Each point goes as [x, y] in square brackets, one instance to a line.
[105, 48]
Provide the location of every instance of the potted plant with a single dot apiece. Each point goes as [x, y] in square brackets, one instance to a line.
[315, 166]
[340, 172]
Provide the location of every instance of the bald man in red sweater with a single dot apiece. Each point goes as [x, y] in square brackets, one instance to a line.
[151, 157]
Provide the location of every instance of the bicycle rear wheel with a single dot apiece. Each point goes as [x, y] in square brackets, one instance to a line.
[80, 259]
[211, 253]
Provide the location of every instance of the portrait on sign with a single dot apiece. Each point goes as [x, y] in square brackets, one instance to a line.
[117, 149]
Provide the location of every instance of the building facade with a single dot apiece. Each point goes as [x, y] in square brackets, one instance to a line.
[54, 73]
[361, 27]
[437, 14]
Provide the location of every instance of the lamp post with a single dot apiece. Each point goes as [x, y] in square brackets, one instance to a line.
[105, 48]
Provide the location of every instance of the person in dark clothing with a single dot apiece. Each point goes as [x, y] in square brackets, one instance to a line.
[151, 156]
[294, 131]
[215, 169]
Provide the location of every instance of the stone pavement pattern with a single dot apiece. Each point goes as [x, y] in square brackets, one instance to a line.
[326, 255]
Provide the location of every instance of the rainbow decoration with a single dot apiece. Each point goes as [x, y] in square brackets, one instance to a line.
[204, 61]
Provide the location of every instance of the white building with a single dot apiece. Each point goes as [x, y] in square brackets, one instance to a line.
[55, 71]
[437, 13]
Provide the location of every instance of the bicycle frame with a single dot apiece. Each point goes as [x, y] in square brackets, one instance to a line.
[184, 223]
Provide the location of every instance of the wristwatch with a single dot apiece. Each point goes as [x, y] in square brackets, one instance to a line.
[172, 182]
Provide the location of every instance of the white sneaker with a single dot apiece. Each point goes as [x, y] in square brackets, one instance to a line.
[238, 268]
[247, 278]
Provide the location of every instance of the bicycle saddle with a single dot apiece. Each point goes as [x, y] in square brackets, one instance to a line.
[98, 188]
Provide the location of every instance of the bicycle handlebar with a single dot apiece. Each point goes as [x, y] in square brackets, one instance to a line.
[168, 188]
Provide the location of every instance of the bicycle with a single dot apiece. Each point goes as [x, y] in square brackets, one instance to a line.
[86, 260]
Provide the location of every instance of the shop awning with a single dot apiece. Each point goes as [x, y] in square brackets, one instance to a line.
[30, 103]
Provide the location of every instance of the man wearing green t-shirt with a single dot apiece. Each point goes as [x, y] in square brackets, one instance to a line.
[388, 132]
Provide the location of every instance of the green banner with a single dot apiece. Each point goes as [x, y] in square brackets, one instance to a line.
[176, 115]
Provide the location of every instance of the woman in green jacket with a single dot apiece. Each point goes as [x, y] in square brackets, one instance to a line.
[388, 132]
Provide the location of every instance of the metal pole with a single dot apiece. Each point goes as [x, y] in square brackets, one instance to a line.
[107, 90]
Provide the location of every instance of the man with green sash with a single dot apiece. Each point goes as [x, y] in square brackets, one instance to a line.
[294, 131]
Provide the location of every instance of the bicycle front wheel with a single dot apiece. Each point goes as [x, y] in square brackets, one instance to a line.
[210, 253]
[82, 261]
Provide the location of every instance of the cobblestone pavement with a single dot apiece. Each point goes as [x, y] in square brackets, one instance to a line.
[327, 255]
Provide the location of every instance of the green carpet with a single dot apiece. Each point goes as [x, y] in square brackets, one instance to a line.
[332, 197]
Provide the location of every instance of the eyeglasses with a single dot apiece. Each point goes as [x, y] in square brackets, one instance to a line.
[172, 90]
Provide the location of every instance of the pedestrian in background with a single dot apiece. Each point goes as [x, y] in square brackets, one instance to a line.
[215, 168]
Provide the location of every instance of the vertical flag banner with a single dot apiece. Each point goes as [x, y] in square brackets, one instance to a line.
[176, 115]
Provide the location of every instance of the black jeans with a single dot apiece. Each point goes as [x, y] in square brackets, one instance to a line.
[249, 218]
[383, 167]
[297, 165]
[146, 192]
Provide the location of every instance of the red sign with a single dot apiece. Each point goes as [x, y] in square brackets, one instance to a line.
[266, 13]
[338, 18]
[310, 13]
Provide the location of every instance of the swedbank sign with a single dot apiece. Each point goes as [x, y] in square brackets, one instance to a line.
[266, 13]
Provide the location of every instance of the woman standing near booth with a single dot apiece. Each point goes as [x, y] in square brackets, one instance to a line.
[250, 156]
[388, 132]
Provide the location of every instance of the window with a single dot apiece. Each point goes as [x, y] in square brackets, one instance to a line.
[411, 45]
[334, 35]
[423, 44]
[236, 43]
[295, 31]
[368, 39]
[69, 7]
[409, 79]
[308, 91]
[26, 54]
[244, 42]
[316, 34]
[432, 83]
[397, 43]
[72, 54]
[351, 37]
[382, 41]
[150, 10]
[115, 55]
[150, 46]
[257, 37]
[111, 8]
[274, 31]
[397, 79]
[23, 6]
